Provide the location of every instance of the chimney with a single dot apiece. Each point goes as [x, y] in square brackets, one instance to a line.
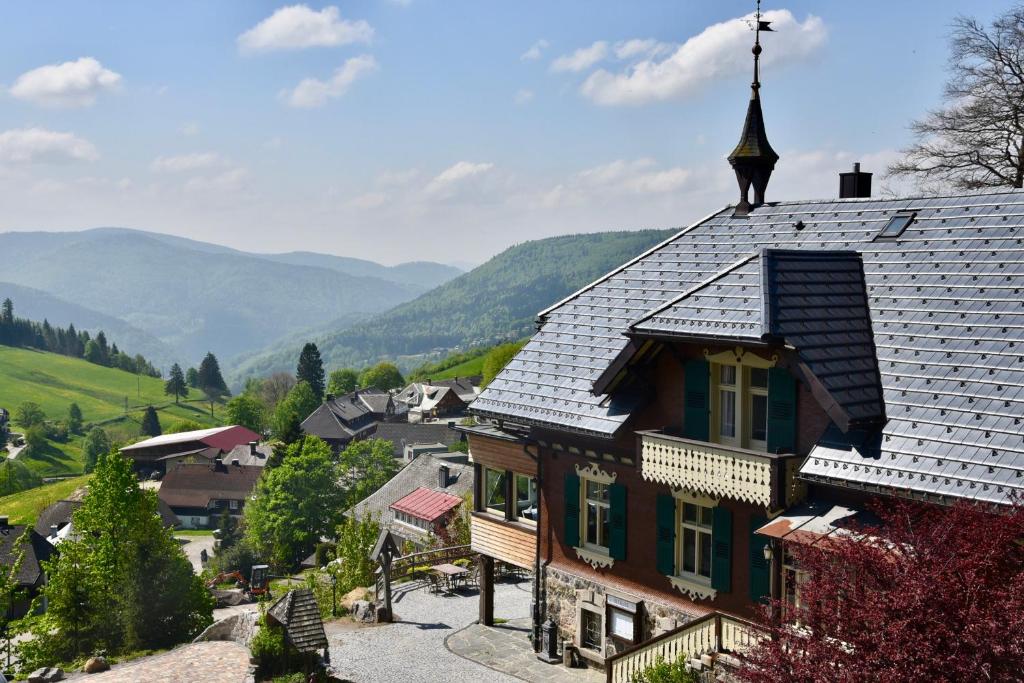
[4, 519]
[218, 465]
[252, 447]
[236, 462]
[53, 530]
[855, 183]
[442, 477]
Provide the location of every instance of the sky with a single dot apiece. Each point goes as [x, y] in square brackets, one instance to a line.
[444, 130]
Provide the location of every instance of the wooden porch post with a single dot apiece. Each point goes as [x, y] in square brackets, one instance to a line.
[486, 572]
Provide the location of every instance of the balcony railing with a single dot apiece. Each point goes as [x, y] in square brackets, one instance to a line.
[712, 469]
[711, 634]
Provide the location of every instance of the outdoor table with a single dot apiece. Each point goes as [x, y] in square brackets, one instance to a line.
[450, 572]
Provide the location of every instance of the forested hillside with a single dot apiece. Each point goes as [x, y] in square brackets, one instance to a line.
[497, 301]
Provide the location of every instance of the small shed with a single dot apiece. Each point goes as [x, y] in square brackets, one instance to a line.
[299, 614]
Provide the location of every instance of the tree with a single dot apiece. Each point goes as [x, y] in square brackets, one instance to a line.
[275, 388]
[228, 532]
[382, 376]
[976, 139]
[74, 419]
[93, 353]
[311, 370]
[497, 358]
[95, 447]
[210, 380]
[295, 504]
[929, 593]
[176, 385]
[290, 412]
[365, 466]
[342, 381]
[7, 312]
[29, 414]
[192, 378]
[35, 439]
[151, 423]
[246, 411]
[183, 426]
[121, 584]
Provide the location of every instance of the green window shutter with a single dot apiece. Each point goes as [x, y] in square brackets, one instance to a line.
[781, 411]
[665, 518]
[697, 400]
[760, 568]
[572, 510]
[721, 550]
[617, 521]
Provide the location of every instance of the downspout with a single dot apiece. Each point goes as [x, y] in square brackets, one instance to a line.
[539, 599]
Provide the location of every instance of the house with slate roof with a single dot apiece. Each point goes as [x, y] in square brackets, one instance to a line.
[21, 541]
[748, 384]
[350, 417]
[198, 494]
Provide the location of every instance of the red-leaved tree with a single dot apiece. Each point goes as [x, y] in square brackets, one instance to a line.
[929, 594]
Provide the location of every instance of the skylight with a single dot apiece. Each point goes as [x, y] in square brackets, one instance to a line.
[896, 225]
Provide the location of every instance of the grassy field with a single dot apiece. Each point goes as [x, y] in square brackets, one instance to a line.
[24, 507]
[473, 366]
[111, 398]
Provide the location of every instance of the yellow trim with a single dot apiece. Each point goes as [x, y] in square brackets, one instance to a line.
[743, 361]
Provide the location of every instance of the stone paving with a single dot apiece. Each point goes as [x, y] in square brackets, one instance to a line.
[506, 648]
[214, 662]
[412, 649]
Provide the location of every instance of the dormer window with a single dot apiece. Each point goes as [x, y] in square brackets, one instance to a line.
[896, 225]
[741, 405]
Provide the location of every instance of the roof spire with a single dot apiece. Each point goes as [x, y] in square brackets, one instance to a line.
[753, 159]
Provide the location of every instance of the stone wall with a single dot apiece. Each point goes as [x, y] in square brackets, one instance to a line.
[239, 628]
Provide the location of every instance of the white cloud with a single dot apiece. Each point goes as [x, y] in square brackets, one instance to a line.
[720, 50]
[297, 27]
[535, 51]
[629, 49]
[370, 200]
[616, 178]
[70, 84]
[32, 145]
[582, 59]
[190, 129]
[523, 96]
[186, 162]
[312, 92]
[443, 185]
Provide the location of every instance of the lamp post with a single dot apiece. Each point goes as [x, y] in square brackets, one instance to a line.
[334, 594]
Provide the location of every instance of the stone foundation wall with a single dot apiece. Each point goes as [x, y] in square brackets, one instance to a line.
[566, 593]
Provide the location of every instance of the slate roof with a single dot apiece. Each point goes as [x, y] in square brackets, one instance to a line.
[420, 473]
[403, 433]
[243, 453]
[59, 514]
[195, 485]
[343, 417]
[36, 549]
[815, 301]
[466, 387]
[946, 308]
[298, 613]
[423, 503]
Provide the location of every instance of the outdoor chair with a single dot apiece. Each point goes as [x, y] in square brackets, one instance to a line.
[434, 583]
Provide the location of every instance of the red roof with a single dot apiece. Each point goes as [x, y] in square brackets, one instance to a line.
[426, 504]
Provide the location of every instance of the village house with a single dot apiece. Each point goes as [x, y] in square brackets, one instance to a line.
[748, 384]
[31, 576]
[162, 453]
[431, 399]
[409, 439]
[54, 523]
[350, 417]
[418, 502]
[199, 493]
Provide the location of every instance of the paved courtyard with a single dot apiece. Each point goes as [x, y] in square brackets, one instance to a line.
[193, 546]
[216, 662]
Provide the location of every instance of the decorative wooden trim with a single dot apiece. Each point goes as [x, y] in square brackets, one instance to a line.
[741, 356]
[695, 498]
[595, 473]
[692, 589]
[594, 558]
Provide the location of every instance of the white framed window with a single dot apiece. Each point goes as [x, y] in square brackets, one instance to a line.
[694, 536]
[595, 515]
[494, 491]
[792, 579]
[739, 414]
[233, 504]
[525, 495]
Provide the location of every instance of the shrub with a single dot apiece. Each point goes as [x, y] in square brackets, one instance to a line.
[662, 672]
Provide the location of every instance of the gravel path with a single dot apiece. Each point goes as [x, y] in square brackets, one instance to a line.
[413, 649]
[194, 546]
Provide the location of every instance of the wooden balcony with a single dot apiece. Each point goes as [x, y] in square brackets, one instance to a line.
[716, 470]
[700, 643]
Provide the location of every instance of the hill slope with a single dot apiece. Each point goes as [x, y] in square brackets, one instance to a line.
[38, 305]
[496, 301]
[55, 382]
[423, 274]
[192, 299]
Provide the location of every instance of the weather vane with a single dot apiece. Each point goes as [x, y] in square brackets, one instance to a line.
[758, 27]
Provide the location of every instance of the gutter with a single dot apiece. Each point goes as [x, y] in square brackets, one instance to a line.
[539, 598]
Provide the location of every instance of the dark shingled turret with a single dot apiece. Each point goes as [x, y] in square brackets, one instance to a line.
[753, 159]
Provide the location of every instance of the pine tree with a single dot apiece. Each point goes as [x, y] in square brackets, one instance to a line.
[311, 370]
[175, 385]
[210, 380]
[74, 419]
[192, 378]
[151, 423]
